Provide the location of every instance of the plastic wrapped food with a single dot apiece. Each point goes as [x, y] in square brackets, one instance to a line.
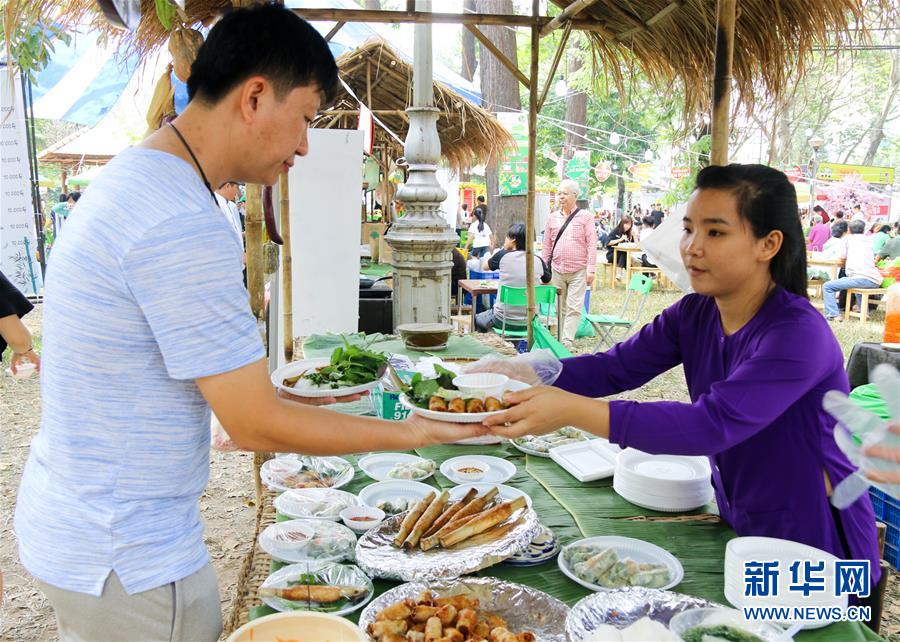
[295, 471]
[393, 506]
[304, 540]
[314, 503]
[544, 443]
[412, 470]
[603, 567]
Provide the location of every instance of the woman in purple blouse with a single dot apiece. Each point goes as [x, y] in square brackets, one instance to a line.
[757, 358]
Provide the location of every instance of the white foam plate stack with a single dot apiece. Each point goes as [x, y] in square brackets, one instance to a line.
[665, 483]
[741, 550]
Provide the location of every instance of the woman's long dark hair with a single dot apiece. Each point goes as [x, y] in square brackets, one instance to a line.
[620, 228]
[767, 200]
[479, 214]
[516, 232]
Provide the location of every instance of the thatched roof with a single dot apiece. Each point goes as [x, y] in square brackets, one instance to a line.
[469, 134]
[675, 40]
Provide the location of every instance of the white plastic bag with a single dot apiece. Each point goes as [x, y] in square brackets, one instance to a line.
[219, 439]
[538, 367]
[663, 248]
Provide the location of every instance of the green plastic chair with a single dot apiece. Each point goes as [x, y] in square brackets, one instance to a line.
[608, 325]
[543, 338]
[463, 237]
[519, 297]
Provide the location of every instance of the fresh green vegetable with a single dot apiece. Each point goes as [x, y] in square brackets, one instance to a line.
[421, 390]
[721, 632]
[350, 366]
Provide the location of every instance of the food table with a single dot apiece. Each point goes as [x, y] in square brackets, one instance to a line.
[479, 287]
[571, 509]
[628, 249]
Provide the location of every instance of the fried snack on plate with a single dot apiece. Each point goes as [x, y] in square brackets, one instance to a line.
[466, 621]
[434, 510]
[411, 518]
[433, 629]
[392, 637]
[459, 602]
[490, 535]
[492, 404]
[388, 627]
[501, 634]
[398, 611]
[451, 511]
[453, 635]
[474, 405]
[482, 523]
[438, 404]
[457, 405]
[415, 636]
[313, 593]
[472, 508]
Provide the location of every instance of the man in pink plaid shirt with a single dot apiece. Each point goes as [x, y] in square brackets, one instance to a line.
[572, 255]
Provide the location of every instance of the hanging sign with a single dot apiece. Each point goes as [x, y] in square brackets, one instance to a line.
[794, 173]
[680, 171]
[579, 170]
[641, 172]
[867, 173]
[602, 171]
[513, 169]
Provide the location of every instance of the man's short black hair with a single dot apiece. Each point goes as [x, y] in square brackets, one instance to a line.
[265, 40]
[857, 227]
[481, 199]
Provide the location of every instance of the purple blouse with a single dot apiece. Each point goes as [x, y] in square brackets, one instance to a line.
[756, 412]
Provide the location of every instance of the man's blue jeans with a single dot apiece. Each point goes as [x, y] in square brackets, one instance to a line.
[833, 287]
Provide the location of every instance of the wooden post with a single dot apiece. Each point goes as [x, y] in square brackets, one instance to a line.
[287, 282]
[721, 89]
[532, 162]
[254, 225]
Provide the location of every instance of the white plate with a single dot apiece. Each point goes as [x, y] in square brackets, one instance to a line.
[541, 453]
[411, 491]
[891, 346]
[506, 493]
[378, 465]
[487, 440]
[275, 471]
[671, 471]
[314, 503]
[340, 574]
[638, 550]
[745, 549]
[296, 367]
[662, 504]
[329, 542]
[587, 460]
[500, 470]
[461, 417]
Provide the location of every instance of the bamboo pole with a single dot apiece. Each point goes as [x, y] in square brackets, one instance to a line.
[565, 16]
[721, 89]
[532, 162]
[556, 58]
[254, 225]
[287, 293]
[337, 27]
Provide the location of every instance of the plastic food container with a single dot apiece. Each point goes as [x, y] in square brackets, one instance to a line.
[481, 384]
[362, 518]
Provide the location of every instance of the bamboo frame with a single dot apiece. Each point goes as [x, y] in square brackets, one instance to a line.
[532, 161]
[254, 232]
[566, 16]
[556, 58]
[287, 282]
[337, 27]
[721, 89]
[506, 62]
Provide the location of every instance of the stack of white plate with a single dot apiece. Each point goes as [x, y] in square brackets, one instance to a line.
[741, 550]
[665, 483]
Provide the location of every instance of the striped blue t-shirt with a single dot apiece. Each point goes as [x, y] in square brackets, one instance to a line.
[144, 294]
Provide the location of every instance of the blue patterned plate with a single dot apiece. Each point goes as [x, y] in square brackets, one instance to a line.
[543, 548]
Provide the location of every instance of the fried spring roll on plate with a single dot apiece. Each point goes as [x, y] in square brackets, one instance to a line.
[488, 536]
[438, 404]
[415, 636]
[526, 636]
[433, 629]
[398, 611]
[435, 508]
[457, 405]
[313, 593]
[492, 404]
[388, 627]
[474, 405]
[392, 637]
[453, 635]
[451, 511]
[501, 634]
[482, 630]
[489, 519]
[411, 518]
[459, 602]
[466, 622]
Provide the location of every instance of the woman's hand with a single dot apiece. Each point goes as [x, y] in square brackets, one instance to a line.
[888, 453]
[441, 432]
[18, 359]
[319, 401]
[535, 411]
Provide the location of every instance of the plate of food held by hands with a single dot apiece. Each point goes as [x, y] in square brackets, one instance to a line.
[351, 370]
[459, 399]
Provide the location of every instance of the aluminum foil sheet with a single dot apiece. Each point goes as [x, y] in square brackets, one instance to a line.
[523, 607]
[626, 606]
[377, 556]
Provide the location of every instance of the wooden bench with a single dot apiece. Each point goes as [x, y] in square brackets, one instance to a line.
[865, 293]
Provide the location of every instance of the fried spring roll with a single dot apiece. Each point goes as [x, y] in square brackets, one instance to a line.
[526, 636]
[435, 508]
[433, 630]
[415, 636]
[425, 597]
[392, 637]
[411, 518]
[398, 611]
[490, 535]
[457, 405]
[448, 514]
[418, 627]
[438, 404]
[459, 602]
[466, 621]
[423, 613]
[428, 543]
[447, 614]
[311, 593]
[491, 518]
[453, 635]
[388, 627]
[482, 630]
[492, 404]
[474, 405]
[495, 621]
[501, 634]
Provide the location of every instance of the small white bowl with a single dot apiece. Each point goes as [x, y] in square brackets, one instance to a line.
[481, 384]
[25, 370]
[472, 475]
[351, 517]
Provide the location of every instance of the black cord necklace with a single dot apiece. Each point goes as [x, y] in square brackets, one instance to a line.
[196, 162]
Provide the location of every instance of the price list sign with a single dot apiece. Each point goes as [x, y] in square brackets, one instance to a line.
[18, 245]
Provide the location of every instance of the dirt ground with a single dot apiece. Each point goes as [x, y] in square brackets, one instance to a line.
[227, 505]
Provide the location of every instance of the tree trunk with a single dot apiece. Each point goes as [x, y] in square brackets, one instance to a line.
[469, 61]
[500, 92]
[877, 128]
[372, 5]
[576, 111]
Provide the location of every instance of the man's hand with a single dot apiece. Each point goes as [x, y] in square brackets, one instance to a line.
[441, 432]
[589, 277]
[17, 360]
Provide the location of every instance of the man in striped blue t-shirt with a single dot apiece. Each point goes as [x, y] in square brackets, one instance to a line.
[147, 325]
